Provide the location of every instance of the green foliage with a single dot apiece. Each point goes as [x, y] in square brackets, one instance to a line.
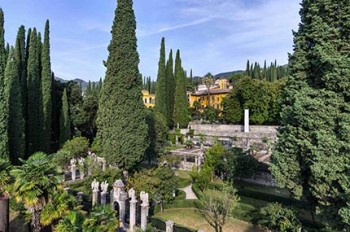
[46, 88]
[169, 160]
[4, 150]
[121, 122]
[34, 183]
[78, 146]
[180, 114]
[311, 156]
[65, 130]
[170, 89]
[259, 96]
[202, 177]
[161, 88]
[16, 127]
[277, 218]
[5, 177]
[34, 129]
[71, 222]
[157, 133]
[101, 218]
[159, 183]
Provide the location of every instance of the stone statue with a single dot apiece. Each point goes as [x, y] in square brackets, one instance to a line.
[144, 198]
[132, 194]
[81, 161]
[73, 161]
[104, 187]
[95, 186]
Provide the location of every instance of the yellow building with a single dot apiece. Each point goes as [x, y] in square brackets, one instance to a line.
[148, 99]
[217, 92]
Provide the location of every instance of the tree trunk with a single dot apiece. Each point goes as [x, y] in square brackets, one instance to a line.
[36, 221]
[4, 214]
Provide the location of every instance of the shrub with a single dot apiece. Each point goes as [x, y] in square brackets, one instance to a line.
[77, 146]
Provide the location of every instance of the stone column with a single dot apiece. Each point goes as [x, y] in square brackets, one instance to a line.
[176, 140]
[94, 197]
[144, 210]
[104, 165]
[169, 226]
[246, 121]
[196, 160]
[81, 172]
[74, 171]
[122, 212]
[132, 221]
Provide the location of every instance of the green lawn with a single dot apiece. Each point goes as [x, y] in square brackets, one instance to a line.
[189, 217]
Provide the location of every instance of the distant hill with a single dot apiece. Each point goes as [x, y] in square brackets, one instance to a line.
[80, 82]
[228, 74]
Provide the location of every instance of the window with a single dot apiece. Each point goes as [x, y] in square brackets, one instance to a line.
[212, 98]
[145, 100]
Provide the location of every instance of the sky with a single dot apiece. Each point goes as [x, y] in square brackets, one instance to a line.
[213, 35]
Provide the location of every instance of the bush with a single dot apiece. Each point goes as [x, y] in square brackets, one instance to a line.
[172, 138]
[275, 217]
[62, 158]
[77, 146]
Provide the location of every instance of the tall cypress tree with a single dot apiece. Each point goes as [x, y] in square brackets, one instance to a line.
[46, 87]
[4, 152]
[20, 55]
[16, 127]
[122, 128]
[65, 132]
[247, 70]
[161, 88]
[170, 88]
[34, 123]
[180, 100]
[312, 154]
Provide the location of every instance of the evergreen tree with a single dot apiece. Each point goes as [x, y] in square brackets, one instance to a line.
[65, 133]
[247, 70]
[88, 89]
[20, 54]
[4, 152]
[170, 86]
[181, 116]
[161, 88]
[35, 121]
[14, 101]
[46, 87]
[265, 71]
[312, 154]
[122, 128]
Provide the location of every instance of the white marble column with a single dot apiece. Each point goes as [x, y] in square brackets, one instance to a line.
[104, 165]
[95, 185]
[246, 121]
[169, 226]
[74, 172]
[133, 202]
[144, 210]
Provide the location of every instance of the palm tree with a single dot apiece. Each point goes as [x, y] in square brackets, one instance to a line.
[35, 181]
[208, 81]
[73, 222]
[60, 205]
[102, 219]
[5, 178]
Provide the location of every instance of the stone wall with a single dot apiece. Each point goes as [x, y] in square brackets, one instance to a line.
[260, 136]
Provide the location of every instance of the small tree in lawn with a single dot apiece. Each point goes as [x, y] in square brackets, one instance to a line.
[216, 208]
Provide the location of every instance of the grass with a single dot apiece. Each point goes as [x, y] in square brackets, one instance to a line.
[189, 217]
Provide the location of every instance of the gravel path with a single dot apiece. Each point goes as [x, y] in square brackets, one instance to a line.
[189, 193]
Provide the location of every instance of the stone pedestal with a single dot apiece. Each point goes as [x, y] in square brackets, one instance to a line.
[246, 121]
[82, 174]
[176, 140]
[132, 221]
[74, 172]
[169, 226]
[144, 215]
[94, 197]
[103, 198]
[104, 165]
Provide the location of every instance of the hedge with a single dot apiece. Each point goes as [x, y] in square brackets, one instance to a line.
[161, 225]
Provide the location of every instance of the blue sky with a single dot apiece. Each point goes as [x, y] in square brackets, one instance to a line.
[213, 35]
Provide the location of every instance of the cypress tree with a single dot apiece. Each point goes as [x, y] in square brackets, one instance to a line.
[180, 98]
[4, 150]
[247, 70]
[122, 128]
[265, 71]
[35, 122]
[170, 86]
[20, 54]
[312, 153]
[161, 88]
[65, 132]
[46, 87]
[14, 101]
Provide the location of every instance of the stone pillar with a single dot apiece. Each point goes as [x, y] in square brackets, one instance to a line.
[74, 171]
[144, 210]
[176, 140]
[132, 221]
[104, 165]
[81, 172]
[122, 212]
[196, 160]
[94, 197]
[169, 226]
[246, 121]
